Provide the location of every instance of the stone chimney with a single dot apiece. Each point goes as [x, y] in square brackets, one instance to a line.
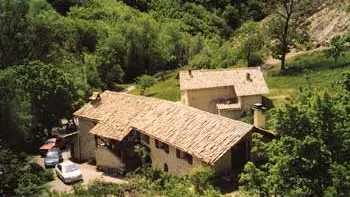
[190, 73]
[248, 77]
[259, 115]
[95, 98]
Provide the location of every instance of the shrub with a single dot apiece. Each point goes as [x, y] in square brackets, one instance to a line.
[255, 60]
[202, 179]
[28, 185]
[143, 82]
[47, 175]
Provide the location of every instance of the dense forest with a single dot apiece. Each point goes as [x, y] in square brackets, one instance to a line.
[55, 53]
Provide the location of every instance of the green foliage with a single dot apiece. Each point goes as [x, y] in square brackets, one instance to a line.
[14, 45]
[250, 39]
[143, 82]
[202, 179]
[312, 70]
[141, 152]
[167, 89]
[253, 180]
[311, 146]
[18, 176]
[284, 26]
[338, 45]
[48, 86]
[149, 182]
[14, 108]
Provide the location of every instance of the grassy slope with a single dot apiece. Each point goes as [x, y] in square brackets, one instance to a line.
[168, 89]
[313, 70]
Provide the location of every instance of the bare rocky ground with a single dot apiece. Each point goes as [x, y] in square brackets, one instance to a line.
[89, 172]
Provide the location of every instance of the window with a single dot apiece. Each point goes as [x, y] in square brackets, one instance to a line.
[165, 148]
[189, 158]
[145, 138]
[161, 145]
[166, 168]
[178, 153]
[59, 167]
[185, 156]
[156, 142]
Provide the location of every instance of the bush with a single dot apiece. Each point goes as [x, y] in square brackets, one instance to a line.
[255, 60]
[143, 82]
[28, 184]
[202, 179]
[47, 175]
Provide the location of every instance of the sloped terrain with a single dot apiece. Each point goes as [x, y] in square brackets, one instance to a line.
[331, 20]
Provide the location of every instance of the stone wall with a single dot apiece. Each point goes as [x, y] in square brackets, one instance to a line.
[106, 158]
[206, 99]
[247, 102]
[232, 114]
[223, 164]
[175, 165]
[86, 140]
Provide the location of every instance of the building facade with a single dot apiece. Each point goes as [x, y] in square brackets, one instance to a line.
[174, 137]
[229, 93]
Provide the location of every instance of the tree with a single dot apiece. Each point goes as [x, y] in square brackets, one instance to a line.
[284, 25]
[143, 82]
[310, 149]
[53, 95]
[14, 108]
[338, 45]
[251, 39]
[253, 180]
[14, 31]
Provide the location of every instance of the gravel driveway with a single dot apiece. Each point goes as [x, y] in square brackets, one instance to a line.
[89, 174]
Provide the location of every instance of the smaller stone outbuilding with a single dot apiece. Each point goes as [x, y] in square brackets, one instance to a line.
[176, 137]
[228, 93]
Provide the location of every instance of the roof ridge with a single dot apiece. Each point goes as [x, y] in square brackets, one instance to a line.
[222, 69]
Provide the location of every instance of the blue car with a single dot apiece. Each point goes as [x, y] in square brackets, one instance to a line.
[53, 157]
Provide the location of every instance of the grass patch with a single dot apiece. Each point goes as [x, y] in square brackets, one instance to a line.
[169, 89]
[313, 70]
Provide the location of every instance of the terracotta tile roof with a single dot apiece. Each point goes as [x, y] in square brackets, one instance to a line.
[243, 84]
[201, 134]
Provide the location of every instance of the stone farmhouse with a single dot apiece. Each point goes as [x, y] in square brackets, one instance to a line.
[175, 137]
[228, 93]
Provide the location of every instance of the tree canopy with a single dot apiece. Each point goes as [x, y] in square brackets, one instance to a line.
[310, 150]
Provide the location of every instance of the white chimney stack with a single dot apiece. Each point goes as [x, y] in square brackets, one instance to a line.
[259, 116]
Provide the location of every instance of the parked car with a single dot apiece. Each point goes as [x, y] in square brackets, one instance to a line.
[68, 172]
[53, 157]
[50, 143]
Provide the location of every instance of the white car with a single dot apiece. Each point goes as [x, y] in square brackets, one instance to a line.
[68, 172]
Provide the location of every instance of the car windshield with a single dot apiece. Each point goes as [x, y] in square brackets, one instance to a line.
[70, 168]
[52, 154]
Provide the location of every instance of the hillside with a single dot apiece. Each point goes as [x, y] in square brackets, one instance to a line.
[55, 53]
[330, 20]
